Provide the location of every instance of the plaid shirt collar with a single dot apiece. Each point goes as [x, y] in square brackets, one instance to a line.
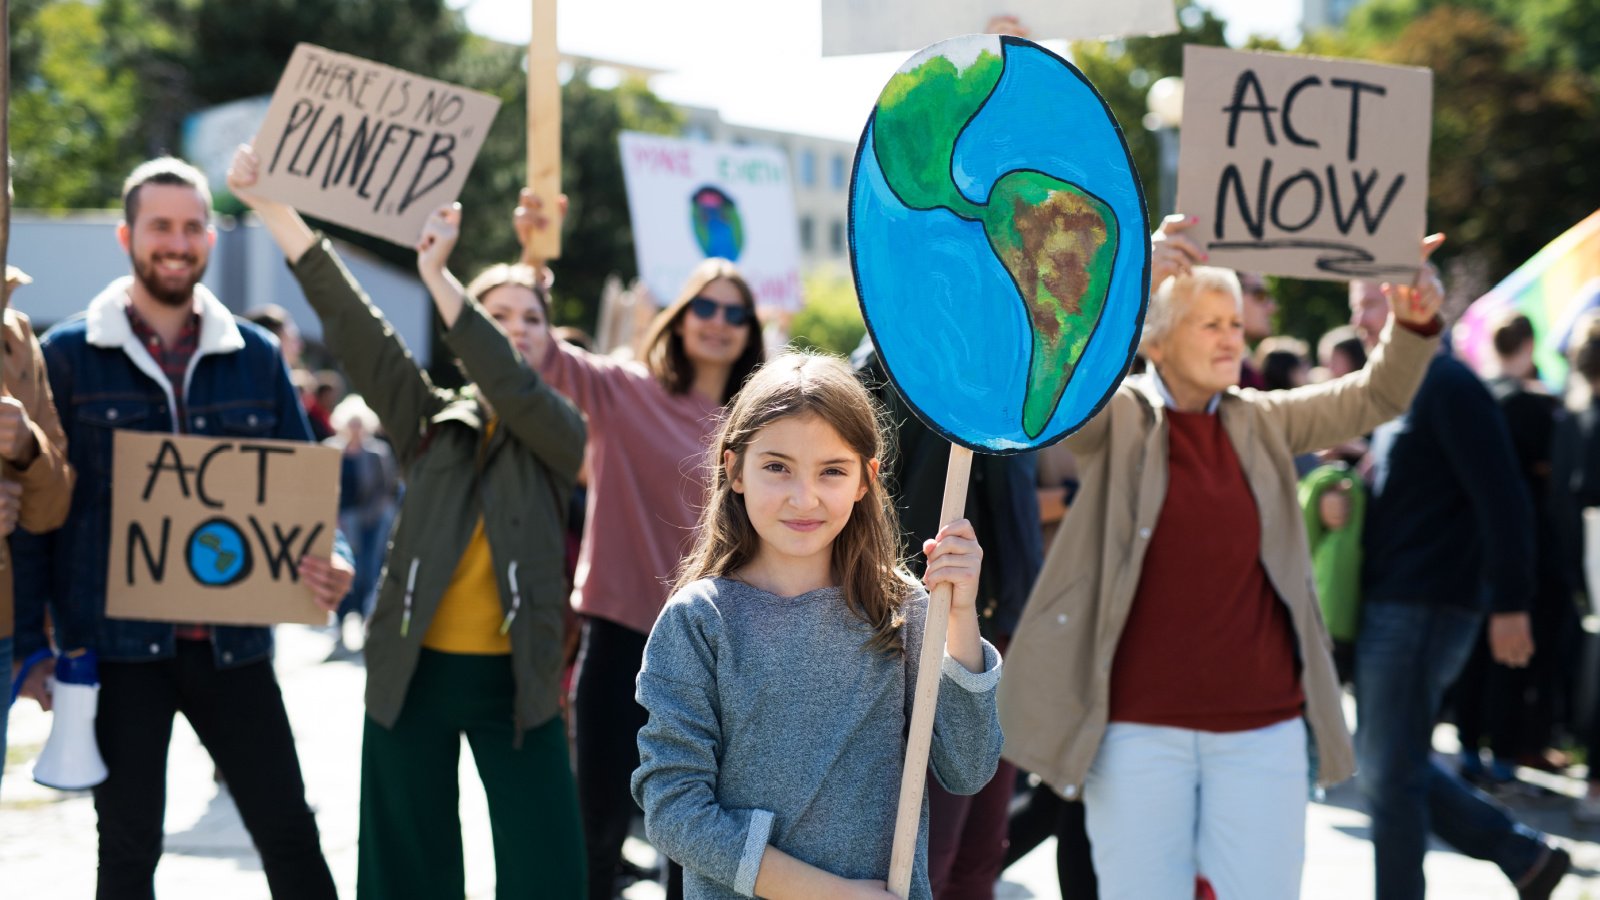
[174, 359]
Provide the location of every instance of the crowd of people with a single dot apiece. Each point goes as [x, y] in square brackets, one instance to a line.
[1182, 589]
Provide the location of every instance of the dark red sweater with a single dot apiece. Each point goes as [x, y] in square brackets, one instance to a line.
[1208, 644]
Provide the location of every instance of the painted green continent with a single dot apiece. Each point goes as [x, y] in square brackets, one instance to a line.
[919, 119]
[1059, 245]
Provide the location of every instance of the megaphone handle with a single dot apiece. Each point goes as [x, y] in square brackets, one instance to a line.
[34, 658]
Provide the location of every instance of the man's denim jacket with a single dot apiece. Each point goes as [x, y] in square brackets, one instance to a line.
[104, 380]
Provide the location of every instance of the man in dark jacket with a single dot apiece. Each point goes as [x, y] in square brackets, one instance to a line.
[157, 352]
[1448, 537]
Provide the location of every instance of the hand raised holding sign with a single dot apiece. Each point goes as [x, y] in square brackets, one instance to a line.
[439, 235]
[287, 228]
[1419, 303]
[531, 218]
[1172, 250]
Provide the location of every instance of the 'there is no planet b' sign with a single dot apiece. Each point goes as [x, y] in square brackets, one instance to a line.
[367, 145]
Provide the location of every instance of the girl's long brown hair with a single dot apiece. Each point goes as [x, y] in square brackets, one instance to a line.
[866, 554]
[663, 351]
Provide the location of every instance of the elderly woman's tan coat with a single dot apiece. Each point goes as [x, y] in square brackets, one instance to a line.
[1054, 696]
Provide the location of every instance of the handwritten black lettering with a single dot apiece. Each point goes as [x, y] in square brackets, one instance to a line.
[262, 452]
[1355, 88]
[411, 138]
[1359, 204]
[300, 148]
[280, 551]
[383, 143]
[1249, 82]
[299, 114]
[441, 147]
[155, 563]
[200, 475]
[1254, 224]
[1289, 98]
[1308, 177]
[168, 459]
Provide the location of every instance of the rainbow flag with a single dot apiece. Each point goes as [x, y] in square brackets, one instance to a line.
[1553, 289]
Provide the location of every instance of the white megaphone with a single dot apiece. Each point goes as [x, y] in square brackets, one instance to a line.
[71, 759]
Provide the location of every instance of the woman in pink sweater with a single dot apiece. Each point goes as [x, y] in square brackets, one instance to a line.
[649, 424]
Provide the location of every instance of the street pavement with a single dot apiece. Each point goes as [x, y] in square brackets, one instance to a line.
[47, 838]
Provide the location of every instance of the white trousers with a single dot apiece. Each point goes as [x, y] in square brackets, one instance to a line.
[1163, 804]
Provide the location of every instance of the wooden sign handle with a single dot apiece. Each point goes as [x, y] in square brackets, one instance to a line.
[914, 778]
[544, 129]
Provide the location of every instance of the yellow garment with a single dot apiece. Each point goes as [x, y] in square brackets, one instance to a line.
[469, 615]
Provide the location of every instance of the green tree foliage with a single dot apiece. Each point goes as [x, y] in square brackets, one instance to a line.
[79, 99]
[831, 319]
[596, 239]
[100, 86]
[1514, 136]
[1122, 71]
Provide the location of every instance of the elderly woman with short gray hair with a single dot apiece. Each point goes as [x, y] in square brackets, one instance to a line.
[1172, 657]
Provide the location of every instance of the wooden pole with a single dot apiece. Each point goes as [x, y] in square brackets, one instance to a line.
[544, 130]
[914, 778]
[5, 214]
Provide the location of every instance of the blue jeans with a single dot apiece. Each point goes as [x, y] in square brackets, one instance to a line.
[368, 543]
[1406, 656]
[5, 714]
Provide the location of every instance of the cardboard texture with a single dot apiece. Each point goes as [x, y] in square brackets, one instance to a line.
[210, 530]
[691, 200]
[367, 145]
[878, 26]
[1305, 166]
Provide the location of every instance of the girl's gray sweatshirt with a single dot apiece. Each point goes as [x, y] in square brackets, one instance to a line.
[771, 723]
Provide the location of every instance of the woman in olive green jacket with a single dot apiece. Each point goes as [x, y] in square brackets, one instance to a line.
[466, 635]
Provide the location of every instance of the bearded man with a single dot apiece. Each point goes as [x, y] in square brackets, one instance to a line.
[157, 352]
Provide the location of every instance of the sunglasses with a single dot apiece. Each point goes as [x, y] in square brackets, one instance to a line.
[706, 308]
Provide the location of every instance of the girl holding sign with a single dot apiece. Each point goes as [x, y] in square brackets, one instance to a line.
[648, 428]
[778, 678]
[466, 635]
[1172, 657]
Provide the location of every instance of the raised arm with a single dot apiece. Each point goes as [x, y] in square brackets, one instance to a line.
[1323, 415]
[542, 420]
[373, 356]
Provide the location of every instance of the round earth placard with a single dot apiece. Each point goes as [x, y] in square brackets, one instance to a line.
[999, 242]
[718, 227]
[218, 554]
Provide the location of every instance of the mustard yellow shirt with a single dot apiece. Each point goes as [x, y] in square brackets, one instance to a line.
[469, 615]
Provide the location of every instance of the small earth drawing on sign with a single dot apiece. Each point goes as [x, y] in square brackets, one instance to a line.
[218, 554]
[718, 228]
[997, 230]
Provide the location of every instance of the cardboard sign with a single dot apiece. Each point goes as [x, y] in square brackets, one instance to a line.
[877, 26]
[1000, 255]
[211, 530]
[367, 145]
[691, 200]
[1304, 166]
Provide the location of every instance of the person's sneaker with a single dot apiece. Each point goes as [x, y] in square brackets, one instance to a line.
[1541, 882]
[1586, 810]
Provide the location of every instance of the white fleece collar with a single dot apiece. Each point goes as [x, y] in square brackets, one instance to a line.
[108, 326]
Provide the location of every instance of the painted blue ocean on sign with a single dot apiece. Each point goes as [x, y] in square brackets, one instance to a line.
[999, 242]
